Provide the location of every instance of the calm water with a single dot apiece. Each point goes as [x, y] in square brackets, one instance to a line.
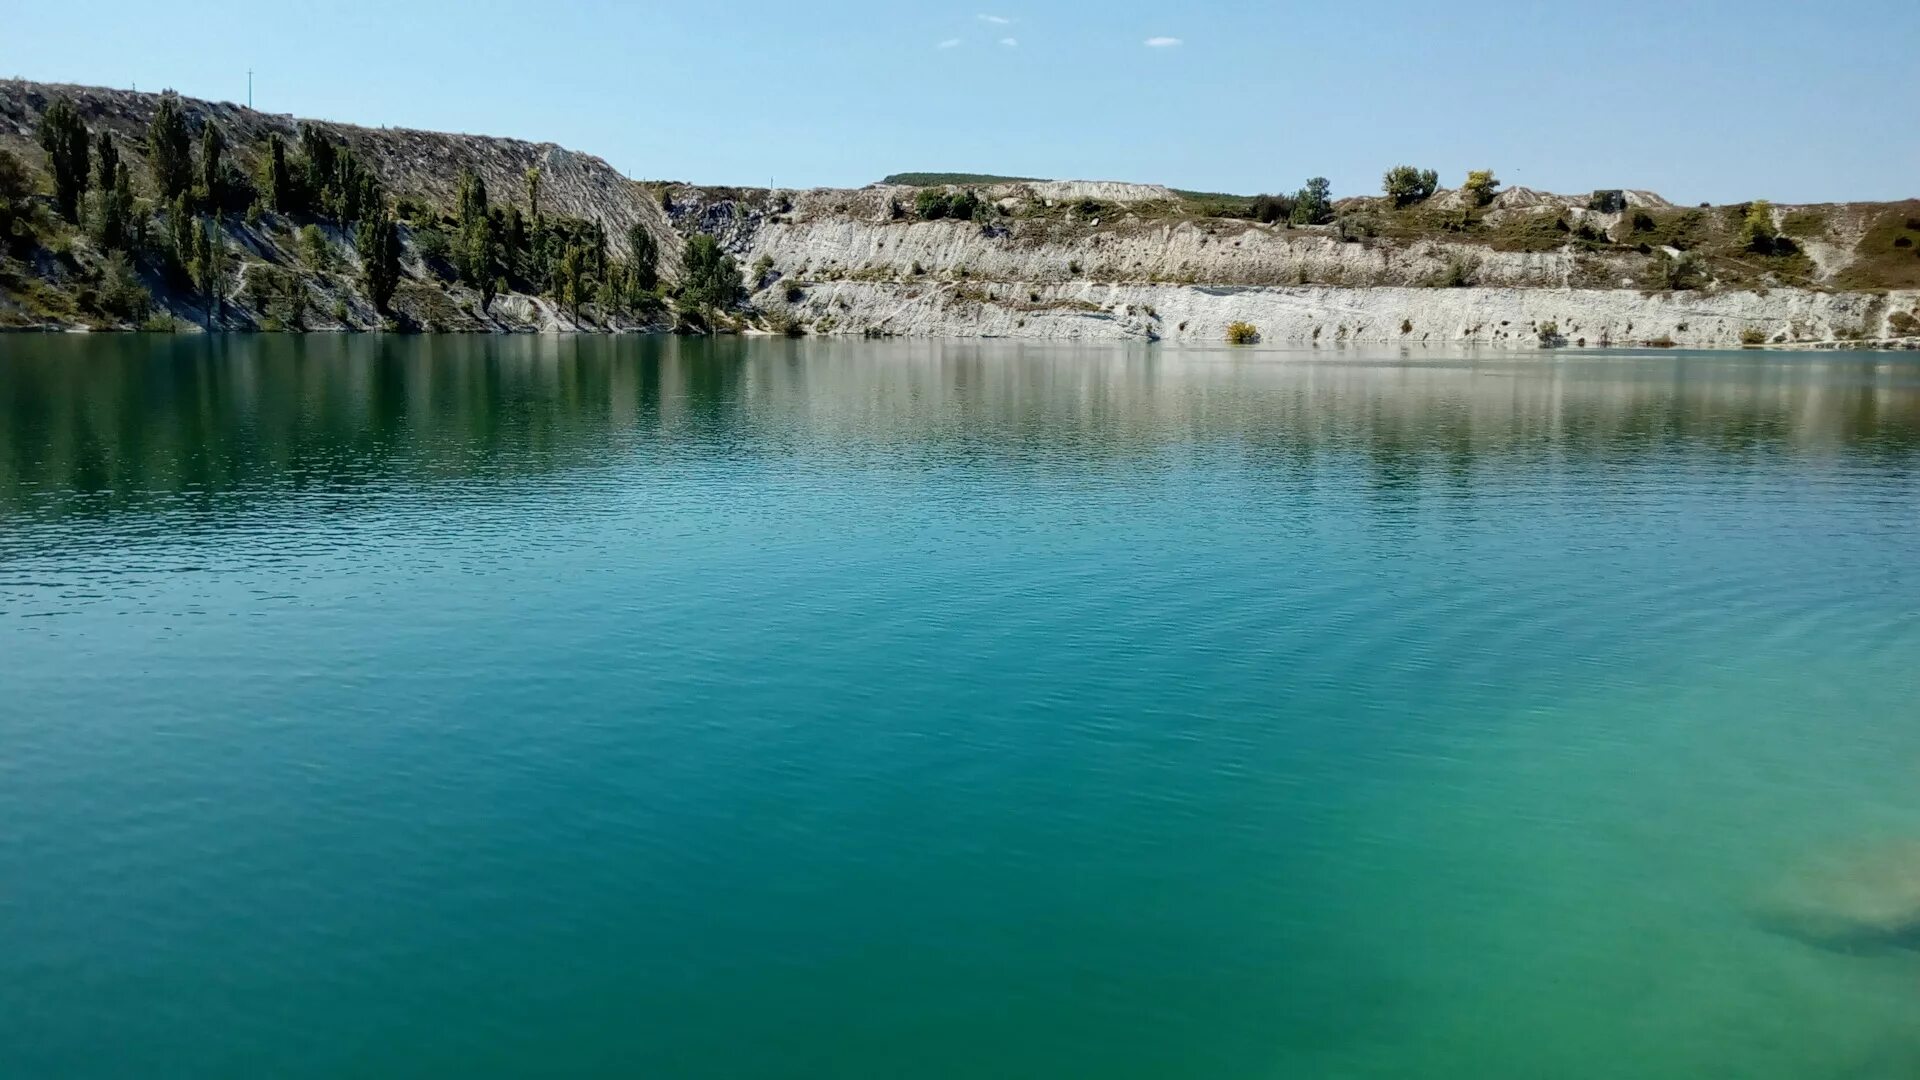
[478, 707]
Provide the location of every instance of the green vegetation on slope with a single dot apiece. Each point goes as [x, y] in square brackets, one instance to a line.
[955, 179]
[234, 226]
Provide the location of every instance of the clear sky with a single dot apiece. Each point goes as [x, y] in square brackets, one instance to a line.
[1717, 100]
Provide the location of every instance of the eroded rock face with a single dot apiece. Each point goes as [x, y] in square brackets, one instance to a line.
[1860, 901]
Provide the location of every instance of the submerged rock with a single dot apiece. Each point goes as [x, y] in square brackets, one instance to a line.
[1858, 902]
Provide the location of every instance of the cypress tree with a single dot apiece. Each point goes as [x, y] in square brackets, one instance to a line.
[475, 255]
[213, 149]
[112, 223]
[278, 178]
[571, 279]
[212, 267]
[106, 161]
[180, 230]
[320, 154]
[644, 257]
[379, 245]
[15, 186]
[514, 245]
[170, 148]
[63, 135]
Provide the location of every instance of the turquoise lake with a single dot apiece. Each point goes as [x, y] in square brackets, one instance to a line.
[457, 707]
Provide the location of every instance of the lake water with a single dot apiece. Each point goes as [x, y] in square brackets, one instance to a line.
[549, 706]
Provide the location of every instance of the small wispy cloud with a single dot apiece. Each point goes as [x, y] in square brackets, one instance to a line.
[1163, 42]
[1010, 42]
[950, 43]
[996, 20]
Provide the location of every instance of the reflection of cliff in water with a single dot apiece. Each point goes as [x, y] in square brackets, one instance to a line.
[93, 425]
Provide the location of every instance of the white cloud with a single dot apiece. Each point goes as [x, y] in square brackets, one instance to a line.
[1162, 42]
[950, 43]
[997, 20]
[1010, 42]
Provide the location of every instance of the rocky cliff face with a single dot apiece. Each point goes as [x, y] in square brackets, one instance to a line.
[1087, 260]
[416, 164]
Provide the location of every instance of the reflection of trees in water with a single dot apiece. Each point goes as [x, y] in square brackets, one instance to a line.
[111, 422]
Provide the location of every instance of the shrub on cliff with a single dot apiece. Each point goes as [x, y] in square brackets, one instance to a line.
[1480, 187]
[1757, 233]
[121, 295]
[932, 204]
[1243, 333]
[1268, 209]
[1353, 228]
[1406, 185]
[314, 249]
[1672, 273]
[965, 206]
[1458, 272]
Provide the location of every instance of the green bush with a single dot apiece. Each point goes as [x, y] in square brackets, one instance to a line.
[1313, 204]
[1480, 187]
[710, 279]
[1673, 273]
[1608, 201]
[1458, 273]
[1757, 233]
[1354, 228]
[1406, 185]
[1243, 333]
[786, 324]
[1268, 209]
[314, 249]
[16, 186]
[930, 204]
[121, 294]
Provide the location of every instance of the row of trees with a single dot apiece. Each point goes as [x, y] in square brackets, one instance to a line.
[1404, 185]
[194, 185]
[493, 248]
[1310, 205]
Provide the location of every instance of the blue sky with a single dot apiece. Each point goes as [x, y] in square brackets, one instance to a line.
[1697, 99]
